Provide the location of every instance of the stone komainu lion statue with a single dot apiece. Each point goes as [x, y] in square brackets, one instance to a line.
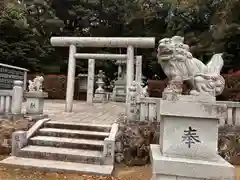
[179, 65]
[36, 84]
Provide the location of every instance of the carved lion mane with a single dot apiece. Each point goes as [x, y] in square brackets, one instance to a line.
[179, 64]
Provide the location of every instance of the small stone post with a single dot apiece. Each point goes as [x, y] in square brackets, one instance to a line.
[25, 81]
[119, 70]
[19, 140]
[132, 106]
[17, 97]
[130, 73]
[90, 83]
[109, 146]
[138, 75]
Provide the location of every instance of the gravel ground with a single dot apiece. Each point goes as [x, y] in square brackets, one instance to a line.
[121, 173]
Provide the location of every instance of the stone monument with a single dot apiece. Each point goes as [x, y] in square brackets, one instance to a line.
[35, 96]
[119, 90]
[82, 86]
[100, 95]
[189, 123]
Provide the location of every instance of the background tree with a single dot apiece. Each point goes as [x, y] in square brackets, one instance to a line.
[18, 45]
[208, 26]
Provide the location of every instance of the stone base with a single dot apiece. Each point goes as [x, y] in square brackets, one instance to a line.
[169, 168]
[15, 117]
[202, 98]
[119, 98]
[119, 93]
[99, 98]
[35, 102]
[35, 117]
[34, 106]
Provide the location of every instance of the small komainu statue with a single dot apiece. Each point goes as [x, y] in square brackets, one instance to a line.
[36, 84]
[179, 65]
[144, 91]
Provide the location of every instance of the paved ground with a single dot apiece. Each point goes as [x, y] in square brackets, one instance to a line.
[99, 113]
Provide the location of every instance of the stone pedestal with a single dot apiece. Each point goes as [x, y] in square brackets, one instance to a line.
[188, 141]
[35, 102]
[99, 98]
[172, 168]
[119, 91]
[82, 82]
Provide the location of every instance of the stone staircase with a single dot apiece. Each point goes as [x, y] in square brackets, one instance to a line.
[65, 146]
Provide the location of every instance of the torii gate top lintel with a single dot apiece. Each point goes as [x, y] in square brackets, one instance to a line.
[114, 42]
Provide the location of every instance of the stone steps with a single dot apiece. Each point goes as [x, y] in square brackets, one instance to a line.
[67, 142]
[65, 146]
[78, 126]
[73, 133]
[65, 154]
[58, 166]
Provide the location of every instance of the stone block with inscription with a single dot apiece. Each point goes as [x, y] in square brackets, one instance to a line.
[119, 91]
[35, 102]
[189, 129]
[188, 139]
[19, 140]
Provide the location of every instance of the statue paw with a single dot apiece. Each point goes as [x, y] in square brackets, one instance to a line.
[194, 93]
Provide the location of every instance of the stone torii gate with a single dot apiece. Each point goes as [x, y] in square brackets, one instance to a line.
[113, 42]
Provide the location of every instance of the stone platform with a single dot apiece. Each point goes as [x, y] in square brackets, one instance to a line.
[170, 168]
[97, 113]
[188, 141]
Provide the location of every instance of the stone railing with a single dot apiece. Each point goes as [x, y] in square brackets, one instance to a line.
[5, 101]
[11, 100]
[147, 111]
[233, 115]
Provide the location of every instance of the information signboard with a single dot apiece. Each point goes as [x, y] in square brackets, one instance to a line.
[9, 74]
